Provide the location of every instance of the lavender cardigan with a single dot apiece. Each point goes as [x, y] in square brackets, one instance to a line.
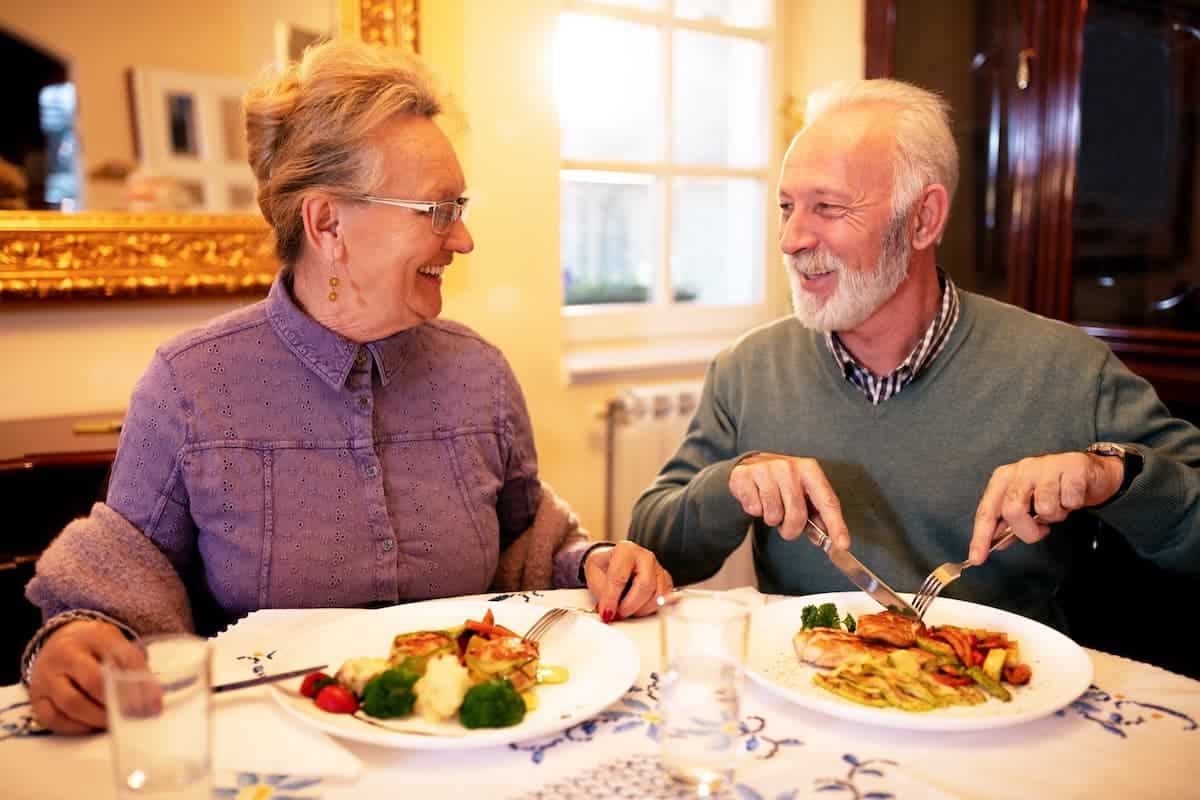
[277, 464]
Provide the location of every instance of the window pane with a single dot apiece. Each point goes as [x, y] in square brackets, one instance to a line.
[720, 110]
[607, 229]
[717, 240]
[742, 13]
[608, 104]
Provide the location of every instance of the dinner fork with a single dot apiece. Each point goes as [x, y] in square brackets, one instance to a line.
[946, 574]
[544, 623]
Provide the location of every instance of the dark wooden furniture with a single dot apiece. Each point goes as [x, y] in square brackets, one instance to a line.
[1078, 124]
[49, 474]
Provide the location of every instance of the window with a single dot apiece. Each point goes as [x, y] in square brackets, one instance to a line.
[665, 145]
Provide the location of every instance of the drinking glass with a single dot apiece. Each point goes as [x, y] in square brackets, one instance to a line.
[159, 721]
[703, 663]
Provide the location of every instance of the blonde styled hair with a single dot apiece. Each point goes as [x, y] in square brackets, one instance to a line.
[925, 148]
[308, 129]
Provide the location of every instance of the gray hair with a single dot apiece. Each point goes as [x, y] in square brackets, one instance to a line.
[925, 148]
[309, 128]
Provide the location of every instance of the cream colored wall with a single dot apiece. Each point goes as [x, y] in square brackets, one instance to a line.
[493, 56]
[824, 43]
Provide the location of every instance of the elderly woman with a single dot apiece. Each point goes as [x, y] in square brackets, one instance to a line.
[334, 444]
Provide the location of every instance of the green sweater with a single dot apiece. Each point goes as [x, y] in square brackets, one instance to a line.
[910, 471]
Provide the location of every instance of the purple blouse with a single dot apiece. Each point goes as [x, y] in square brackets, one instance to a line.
[290, 467]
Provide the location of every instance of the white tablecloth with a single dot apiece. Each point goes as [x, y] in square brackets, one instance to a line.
[1133, 734]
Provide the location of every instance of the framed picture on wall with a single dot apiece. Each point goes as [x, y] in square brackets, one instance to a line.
[190, 139]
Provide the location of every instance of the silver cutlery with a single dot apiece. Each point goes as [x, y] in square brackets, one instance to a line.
[858, 573]
[946, 574]
[264, 679]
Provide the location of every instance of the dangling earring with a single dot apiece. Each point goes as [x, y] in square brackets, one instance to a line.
[333, 284]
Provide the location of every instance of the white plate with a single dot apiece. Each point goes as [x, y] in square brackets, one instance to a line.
[1062, 671]
[603, 664]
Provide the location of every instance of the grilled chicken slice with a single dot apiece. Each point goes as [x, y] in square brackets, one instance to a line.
[827, 647]
[890, 628]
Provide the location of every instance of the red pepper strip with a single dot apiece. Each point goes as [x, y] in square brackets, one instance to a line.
[957, 641]
[952, 680]
[487, 630]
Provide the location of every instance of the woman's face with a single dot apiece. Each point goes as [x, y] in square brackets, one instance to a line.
[391, 275]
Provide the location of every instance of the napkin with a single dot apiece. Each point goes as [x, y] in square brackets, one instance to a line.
[251, 734]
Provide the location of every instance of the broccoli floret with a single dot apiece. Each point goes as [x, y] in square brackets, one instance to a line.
[849, 622]
[823, 616]
[494, 704]
[390, 693]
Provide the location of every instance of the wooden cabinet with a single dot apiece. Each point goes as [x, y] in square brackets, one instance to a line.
[50, 473]
[1078, 125]
[1079, 129]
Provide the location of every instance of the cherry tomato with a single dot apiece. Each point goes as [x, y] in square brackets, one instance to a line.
[337, 699]
[313, 682]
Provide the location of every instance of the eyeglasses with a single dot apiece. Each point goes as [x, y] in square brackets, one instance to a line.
[443, 214]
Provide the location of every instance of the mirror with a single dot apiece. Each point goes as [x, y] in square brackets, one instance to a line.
[156, 218]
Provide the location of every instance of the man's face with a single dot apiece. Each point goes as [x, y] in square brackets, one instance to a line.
[844, 252]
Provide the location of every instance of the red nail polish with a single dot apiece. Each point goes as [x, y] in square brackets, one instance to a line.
[607, 616]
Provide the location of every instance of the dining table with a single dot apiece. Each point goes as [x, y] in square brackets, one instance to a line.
[1131, 733]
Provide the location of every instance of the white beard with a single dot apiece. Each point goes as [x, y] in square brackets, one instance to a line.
[858, 294]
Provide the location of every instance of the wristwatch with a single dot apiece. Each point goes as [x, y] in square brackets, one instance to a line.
[1130, 457]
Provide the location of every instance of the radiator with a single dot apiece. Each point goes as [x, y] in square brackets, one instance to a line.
[645, 426]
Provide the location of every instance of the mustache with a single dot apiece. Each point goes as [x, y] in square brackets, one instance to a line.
[813, 261]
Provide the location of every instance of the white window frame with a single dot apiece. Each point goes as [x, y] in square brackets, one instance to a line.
[661, 317]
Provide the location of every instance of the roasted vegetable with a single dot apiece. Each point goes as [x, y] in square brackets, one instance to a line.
[416, 648]
[495, 704]
[507, 657]
[988, 685]
[994, 662]
[390, 694]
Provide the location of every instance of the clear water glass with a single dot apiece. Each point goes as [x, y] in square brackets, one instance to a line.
[703, 663]
[159, 720]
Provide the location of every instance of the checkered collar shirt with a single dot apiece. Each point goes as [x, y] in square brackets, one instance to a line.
[878, 388]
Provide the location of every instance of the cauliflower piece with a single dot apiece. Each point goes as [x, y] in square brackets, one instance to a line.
[441, 690]
[355, 673]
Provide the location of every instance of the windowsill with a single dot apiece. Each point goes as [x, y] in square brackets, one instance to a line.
[661, 360]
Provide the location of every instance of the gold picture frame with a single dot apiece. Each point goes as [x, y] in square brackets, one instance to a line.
[47, 255]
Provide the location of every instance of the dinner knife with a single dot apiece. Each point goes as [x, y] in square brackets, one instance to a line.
[278, 676]
[858, 573]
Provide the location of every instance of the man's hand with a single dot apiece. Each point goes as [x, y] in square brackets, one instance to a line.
[65, 690]
[1050, 487]
[610, 570]
[781, 489]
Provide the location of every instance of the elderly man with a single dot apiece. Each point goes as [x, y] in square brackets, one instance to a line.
[922, 419]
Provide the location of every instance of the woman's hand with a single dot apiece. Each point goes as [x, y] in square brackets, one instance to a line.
[626, 581]
[66, 692]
